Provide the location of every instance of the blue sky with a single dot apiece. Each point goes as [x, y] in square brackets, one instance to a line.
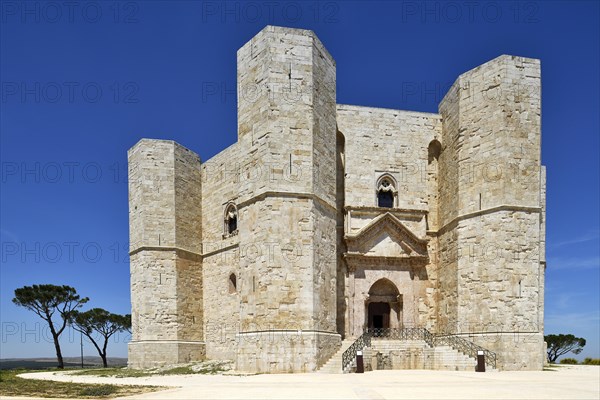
[81, 83]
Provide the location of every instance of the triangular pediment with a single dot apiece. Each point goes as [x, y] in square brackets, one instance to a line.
[386, 237]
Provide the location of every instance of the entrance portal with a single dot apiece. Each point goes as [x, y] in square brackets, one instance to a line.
[383, 308]
[379, 316]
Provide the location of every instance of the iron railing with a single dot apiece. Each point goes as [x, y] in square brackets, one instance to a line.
[350, 354]
[466, 347]
[456, 342]
[402, 334]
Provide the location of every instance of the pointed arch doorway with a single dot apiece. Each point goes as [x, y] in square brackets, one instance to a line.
[383, 307]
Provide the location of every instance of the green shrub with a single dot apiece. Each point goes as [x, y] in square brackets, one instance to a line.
[591, 361]
[97, 391]
[569, 361]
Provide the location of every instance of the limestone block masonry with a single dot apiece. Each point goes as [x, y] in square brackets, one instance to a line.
[324, 220]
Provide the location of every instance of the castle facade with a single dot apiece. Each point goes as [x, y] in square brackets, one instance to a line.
[325, 221]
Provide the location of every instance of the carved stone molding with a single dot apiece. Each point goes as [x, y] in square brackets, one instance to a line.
[413, 248]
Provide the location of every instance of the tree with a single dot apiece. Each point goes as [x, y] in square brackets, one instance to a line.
[103, 322]
[559, 345]
[45, 301]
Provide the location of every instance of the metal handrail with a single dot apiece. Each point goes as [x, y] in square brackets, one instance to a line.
[456, 342]
[349, 355]
[467, 347]
[402, 334]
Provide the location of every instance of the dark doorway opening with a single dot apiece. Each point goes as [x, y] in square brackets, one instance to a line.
[379, 317]
[378, 321]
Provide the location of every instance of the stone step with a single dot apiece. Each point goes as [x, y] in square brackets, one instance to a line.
[439, 357]
[334, 364]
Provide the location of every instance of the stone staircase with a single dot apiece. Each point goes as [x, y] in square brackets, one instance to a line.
[417, 354]
[448, 358]
[403, 354]
[334, 364]
[409, 348]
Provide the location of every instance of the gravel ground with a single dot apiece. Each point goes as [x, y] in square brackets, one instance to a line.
[564, 382]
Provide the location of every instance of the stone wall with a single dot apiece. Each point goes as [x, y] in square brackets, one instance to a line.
[151, 191]
[285, 351]
[287, 219]
[222, 177]
[490, 206]
[386, 141]
[394, 142]
[422, 357]
[166, 264]
[516, 351]
[447, 246]
[150, 354]
[342, 270]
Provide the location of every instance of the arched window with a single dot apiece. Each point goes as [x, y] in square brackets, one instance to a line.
[230, 222]
[433, 151]
[386, 191]
[232, 283]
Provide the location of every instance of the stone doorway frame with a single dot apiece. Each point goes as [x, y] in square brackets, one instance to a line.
[389, 295]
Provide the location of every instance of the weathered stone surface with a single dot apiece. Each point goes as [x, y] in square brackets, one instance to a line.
[278, 247]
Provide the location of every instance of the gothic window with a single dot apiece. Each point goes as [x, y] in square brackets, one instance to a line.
[433, 151]
[232, 283]
[230, 222]
[386, 192]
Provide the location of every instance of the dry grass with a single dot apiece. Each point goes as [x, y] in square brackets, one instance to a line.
[116, 372]
[207, 367]
[12, 385]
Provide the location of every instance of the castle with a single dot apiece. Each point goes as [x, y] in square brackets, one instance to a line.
[325, 221]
